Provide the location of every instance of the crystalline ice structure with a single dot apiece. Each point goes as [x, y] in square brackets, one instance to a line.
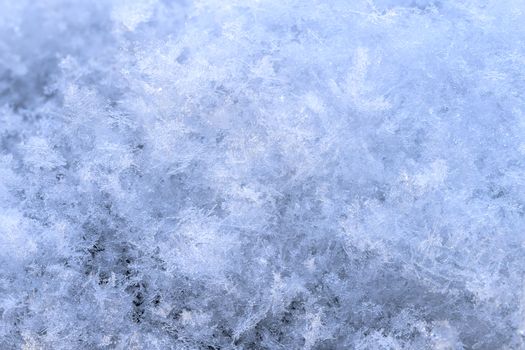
[262, 174]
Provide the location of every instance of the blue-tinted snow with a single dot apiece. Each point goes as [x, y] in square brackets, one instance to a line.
[271, 174]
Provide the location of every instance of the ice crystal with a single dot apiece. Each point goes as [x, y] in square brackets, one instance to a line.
[262, 174]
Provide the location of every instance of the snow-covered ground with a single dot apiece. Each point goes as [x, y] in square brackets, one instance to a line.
[262, 174]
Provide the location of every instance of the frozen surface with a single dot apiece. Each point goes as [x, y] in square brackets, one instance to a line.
[271, 174]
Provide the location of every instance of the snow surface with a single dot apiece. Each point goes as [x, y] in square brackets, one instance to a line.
[262, 174]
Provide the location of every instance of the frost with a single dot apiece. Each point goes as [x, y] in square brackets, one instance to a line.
[40, 154]
[131, 14]
[262, 174]
[16, 242]
[357, 84]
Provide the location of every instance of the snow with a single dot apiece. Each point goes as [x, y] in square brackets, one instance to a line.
[262, 174]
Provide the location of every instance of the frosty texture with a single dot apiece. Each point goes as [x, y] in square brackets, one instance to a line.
[271, 174]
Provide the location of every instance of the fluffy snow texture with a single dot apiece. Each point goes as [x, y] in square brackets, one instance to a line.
[262, 174]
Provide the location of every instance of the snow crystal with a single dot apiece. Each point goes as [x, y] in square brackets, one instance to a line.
[262, 174]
